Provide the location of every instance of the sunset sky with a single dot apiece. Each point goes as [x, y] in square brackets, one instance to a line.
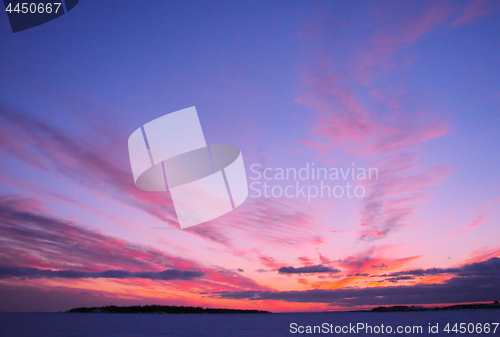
[409, 88]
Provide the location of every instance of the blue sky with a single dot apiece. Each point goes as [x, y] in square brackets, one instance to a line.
[411, 88]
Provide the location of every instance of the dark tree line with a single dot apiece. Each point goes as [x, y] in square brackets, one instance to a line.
[168, 309]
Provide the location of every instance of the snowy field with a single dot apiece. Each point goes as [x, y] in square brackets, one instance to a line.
[261, 325]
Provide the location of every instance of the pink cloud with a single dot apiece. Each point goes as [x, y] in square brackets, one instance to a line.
[477, 9]
[482, 254]
[365, 120]
[304, 260]
[479, 220]
[270, 262]
[399, 31]
[476, 222]
[89, 161]
[271, 222]
[37, 240]
[96, 165]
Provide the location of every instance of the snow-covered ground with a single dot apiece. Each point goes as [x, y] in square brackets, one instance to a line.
[261, 325]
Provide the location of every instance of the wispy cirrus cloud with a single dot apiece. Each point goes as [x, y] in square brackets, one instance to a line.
[50, 247]
[359, 115]
[477, 221]
[86, 160]
[275, 222]
[475, 10]
[483, 253]
[41, 240]
[269, 222]
[271, 262]
[95, 163]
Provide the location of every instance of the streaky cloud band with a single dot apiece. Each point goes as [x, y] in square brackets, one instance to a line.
[165, 275]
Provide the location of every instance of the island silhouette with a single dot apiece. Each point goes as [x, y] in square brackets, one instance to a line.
[172, 309]
[494, 305]
[167, 309]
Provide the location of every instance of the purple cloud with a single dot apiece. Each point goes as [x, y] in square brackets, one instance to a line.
[474, 282]
[165, 275]
[307, 270]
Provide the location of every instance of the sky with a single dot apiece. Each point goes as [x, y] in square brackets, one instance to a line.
[410, 90]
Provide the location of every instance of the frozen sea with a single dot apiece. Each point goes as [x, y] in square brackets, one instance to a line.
[261, 325]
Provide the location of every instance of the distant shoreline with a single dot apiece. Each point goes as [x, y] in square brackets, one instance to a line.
[162, 309]
[404, 308]
[170, 309]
